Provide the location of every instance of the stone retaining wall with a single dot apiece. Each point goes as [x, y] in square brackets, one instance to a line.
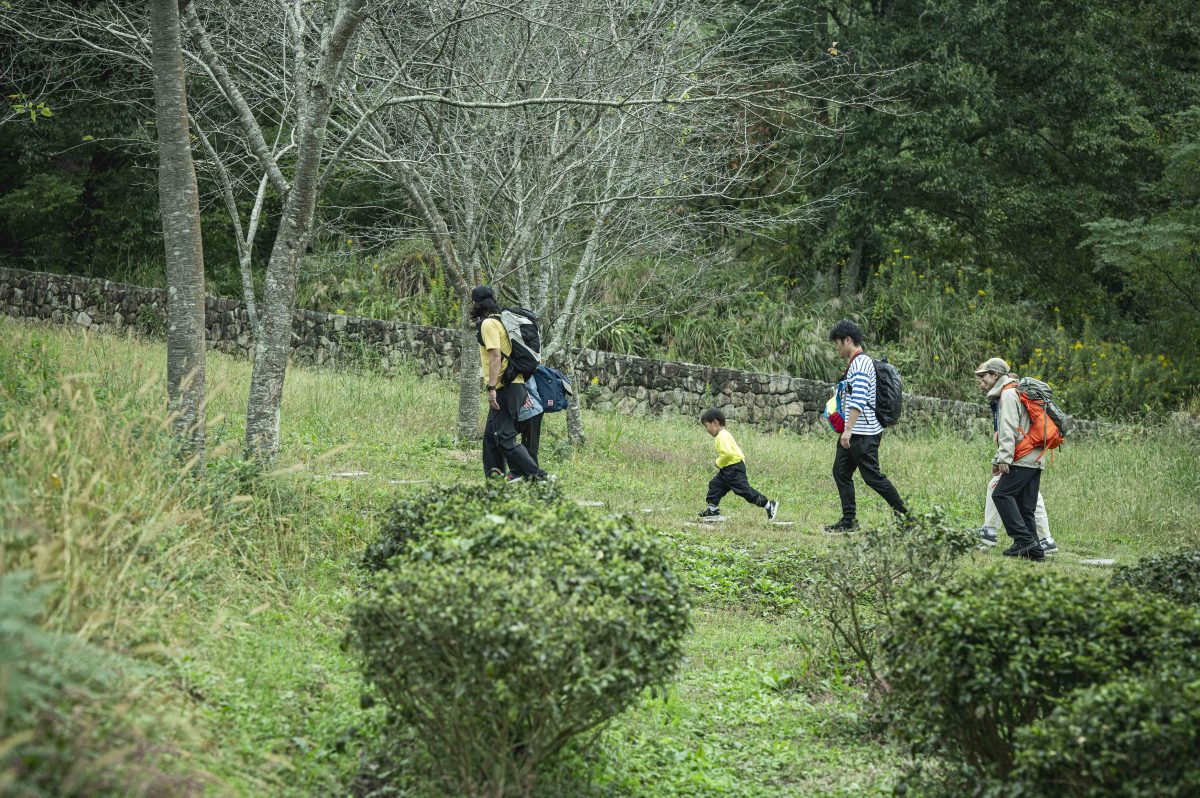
[605, 380]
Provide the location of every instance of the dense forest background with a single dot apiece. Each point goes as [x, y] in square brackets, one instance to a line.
[1031, 191]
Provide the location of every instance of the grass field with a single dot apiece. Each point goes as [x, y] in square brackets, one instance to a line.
[226, 596]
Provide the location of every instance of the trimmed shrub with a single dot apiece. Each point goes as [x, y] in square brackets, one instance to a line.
[861, 581]
[1175, 575]
[504, 620]
[974, 661]
[1136, 737]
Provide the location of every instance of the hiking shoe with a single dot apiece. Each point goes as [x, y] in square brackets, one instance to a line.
[1048, 546]
[511, 478]
[772, 508]
[845, 525]
[710, 514]
[1033, 552]
[987, 537]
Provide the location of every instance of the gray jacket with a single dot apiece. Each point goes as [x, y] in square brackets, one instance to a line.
[1011, 418]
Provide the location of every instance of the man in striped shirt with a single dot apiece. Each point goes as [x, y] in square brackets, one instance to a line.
[858, 446]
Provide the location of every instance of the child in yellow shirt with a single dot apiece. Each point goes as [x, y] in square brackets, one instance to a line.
[731, 471]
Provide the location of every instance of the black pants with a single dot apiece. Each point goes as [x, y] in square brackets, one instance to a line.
[733, 478]
[500, 448]
[531, 434]
[1016, 497]
[863, 455]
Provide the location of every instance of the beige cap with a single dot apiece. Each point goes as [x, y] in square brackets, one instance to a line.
[993, 364]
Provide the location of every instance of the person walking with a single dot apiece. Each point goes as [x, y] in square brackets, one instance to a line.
[1018, 467]
[505, 390]
[985, 377]
[731, 471]
[858, 444]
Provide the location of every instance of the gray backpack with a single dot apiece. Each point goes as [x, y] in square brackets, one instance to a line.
[1043, 394]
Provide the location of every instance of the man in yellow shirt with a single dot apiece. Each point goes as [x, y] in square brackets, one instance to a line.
[501, 450]
[731, 471]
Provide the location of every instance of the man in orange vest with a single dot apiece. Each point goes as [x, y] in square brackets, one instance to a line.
[991, 517]
[1020, 472]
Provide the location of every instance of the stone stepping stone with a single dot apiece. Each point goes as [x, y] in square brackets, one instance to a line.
[349, 474]
[408, 481]
[1099, 561]
[782, 523]
[588, 503]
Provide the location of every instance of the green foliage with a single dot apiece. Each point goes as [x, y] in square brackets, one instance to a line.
[1175, 575]
[1134, 737]
[504, 622]
[974, 661]
[1156, 256]
[1106, 379]
[767, 582]
[862, 580]
[402, 282]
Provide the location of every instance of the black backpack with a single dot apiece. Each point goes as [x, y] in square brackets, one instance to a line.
[889, 392]
[526, 339]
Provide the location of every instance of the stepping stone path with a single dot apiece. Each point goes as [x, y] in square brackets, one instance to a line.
[1098, 562]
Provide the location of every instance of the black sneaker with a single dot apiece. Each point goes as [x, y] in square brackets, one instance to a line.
[1048, 546]
[844, 525]
[987, 537]
[1033, 552]
[711, 515]
[772, 508]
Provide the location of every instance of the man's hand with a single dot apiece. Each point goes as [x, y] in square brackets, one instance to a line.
[1001, 468]
[844, 441]
[492, 399]
[995, 470]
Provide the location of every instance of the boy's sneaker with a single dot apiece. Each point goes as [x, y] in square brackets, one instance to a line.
[987, 537]
[1048, 546]
[711, 515]
[512, 478]
[844, 525]
[772, 508]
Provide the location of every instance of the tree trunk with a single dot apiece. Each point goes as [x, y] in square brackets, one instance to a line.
[575, 422]
[468, 380]
[274, 342]
[179, 205]
[853, 268]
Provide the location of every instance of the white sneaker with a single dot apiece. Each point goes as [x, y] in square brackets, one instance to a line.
[772, 508]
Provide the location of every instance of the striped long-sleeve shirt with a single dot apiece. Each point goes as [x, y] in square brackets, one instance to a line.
[860, 395]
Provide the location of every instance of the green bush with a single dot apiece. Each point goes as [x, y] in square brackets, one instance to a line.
[1136, 737]
[1093, 378]
[861, 581]
[1175, 575]
[504, 620]
[974, 661]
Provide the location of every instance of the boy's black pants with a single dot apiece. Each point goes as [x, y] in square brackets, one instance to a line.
[1015, 496]
[733, 478]
[863, 456]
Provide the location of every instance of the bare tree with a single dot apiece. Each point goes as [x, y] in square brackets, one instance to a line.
[179, 204]
[546, 148]
[276, 69]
